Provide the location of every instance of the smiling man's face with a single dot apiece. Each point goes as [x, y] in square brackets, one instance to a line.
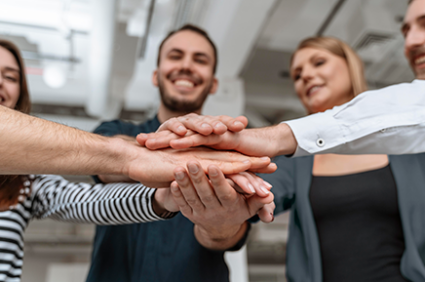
[185, 72]
[413, 30]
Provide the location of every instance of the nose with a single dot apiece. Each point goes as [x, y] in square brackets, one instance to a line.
[307, 74]
[186, 63]
[414, 38]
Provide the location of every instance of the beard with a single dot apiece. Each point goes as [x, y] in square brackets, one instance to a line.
[182, 105]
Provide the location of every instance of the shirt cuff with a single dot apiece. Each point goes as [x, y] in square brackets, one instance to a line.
[155, 216]
[316, 133]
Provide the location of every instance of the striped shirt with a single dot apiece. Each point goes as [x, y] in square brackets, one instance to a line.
[54, 197]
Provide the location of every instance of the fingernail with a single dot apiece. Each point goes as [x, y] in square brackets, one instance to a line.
[193, 168]
[205, 125]
[179, 175]
[265, 190]
[238, 123]
[247, 161]
[213, 171]
[174, 189]
[251, 187]
[265, 158]
[219, 124]
[181, 128]
[267, 184]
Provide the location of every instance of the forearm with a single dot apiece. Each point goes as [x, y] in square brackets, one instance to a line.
[268, 141]
[220, 240]
[99, 204]
[32, 145]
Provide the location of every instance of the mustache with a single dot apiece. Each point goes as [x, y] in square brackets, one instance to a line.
[413, 54]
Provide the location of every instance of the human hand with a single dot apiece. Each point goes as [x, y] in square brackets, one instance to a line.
[155, 168]
[163, 201]
[269, 141]
[214, 206]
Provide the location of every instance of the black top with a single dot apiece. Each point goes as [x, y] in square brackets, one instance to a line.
[358, 223]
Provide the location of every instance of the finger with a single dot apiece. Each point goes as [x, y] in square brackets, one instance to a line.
[268, 169]
[202, 185]
[173, 125]
[243, 182]
[218, 127]
[160, 140]
[188, 191]
[141, 139]
[234, 124]
[255, 203]
[261, 188]
[266, 213]
[180, 200]
[225, 193]
[195, 140]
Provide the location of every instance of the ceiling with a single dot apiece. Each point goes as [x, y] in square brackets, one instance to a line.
[255, 41]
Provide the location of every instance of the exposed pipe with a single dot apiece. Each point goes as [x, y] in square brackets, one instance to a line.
[102, 38]
[144, 40]
[330, 18]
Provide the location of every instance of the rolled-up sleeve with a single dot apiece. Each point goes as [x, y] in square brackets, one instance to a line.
[386, 121]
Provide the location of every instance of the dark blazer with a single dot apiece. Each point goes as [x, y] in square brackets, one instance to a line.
[291, 185]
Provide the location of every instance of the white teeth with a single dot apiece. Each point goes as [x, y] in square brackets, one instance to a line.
[185, 83]
[314, 88]
[420, 60]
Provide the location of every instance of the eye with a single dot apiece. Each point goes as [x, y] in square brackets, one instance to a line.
[11, 78]
[296, 77]
[319, 62]
[201, 61]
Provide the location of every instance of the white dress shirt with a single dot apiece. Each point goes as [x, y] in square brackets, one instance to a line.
[385, 121]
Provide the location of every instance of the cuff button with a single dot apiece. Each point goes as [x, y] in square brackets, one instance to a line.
[320, 142]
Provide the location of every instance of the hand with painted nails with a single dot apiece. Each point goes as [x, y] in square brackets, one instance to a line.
[218, 211]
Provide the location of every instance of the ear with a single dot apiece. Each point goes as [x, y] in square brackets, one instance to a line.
[155, 78]
[214, 86]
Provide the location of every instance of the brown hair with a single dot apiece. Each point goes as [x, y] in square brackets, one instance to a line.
[11, 186]
[197, 30]
[341, 49]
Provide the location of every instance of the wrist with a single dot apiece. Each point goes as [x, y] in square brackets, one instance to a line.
[220, 240]
[287, 144]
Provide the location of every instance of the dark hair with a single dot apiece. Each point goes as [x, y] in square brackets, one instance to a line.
[11, 185]
[197, 30]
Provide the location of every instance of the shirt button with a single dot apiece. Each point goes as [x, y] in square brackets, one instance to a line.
[320, 142]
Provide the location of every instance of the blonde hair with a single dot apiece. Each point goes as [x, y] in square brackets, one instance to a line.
[341, 49]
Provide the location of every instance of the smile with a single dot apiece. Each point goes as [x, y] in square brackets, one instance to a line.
[313, 90]
[420, 60]
[184, 83]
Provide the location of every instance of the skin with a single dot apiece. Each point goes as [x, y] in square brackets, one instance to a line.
[185, 57]
[185, 78]
[318, 67]
[321, 79]
[9, 79]
[413, 30]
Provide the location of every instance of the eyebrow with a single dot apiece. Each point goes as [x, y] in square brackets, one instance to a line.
[12, 69]
[405, 25]
[197, 54]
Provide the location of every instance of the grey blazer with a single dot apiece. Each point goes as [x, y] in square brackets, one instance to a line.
[291, 184]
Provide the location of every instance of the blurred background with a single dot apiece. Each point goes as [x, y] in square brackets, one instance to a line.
[92, 60]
